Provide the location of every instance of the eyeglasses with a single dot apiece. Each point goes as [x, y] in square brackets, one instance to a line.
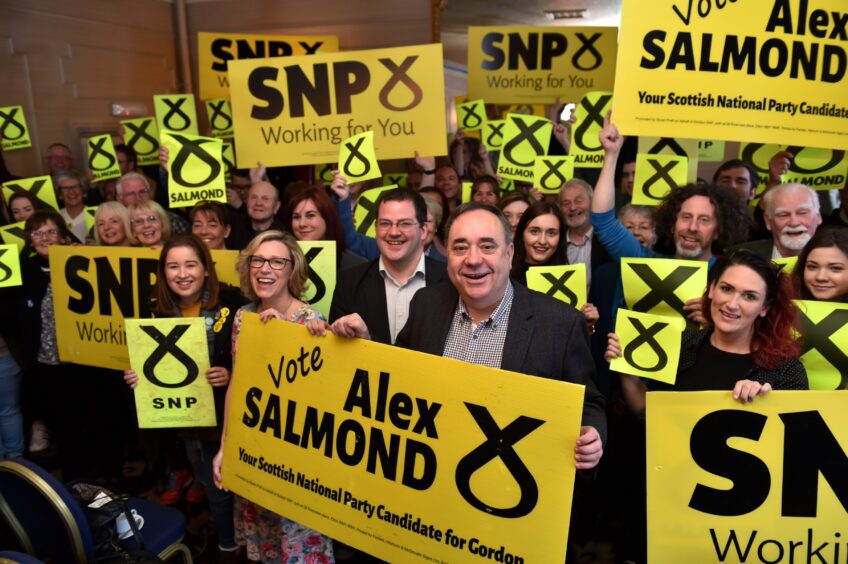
[44, 234]
[71, 187]
[142, 220]
[275, 263]
[403, 224]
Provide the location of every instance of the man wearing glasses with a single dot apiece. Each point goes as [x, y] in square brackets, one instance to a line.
[379, 292]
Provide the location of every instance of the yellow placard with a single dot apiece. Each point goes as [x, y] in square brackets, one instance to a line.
[736, 71]
[171, 357]
[214, 50]
[662, 286]
[389, 450]
[787, 263]
[357, 158]
[89, 218]
[525, 138]
[539, 64]
[395, 178]
[225, 262]
[13, 128]
[550, 173]
[465, 197]
[760, 482]
[537, 110]
[142, 135]
[656, 176]
[220, 117]
[566, 282]
[324, 173]
[94, 290]
[711, 151]
[670, 146]
[365, 212]
[14, 234]
[297, 110]
[195, 169]
[507, 184]
[650, 345]
[321, 260]
[492, 134]
[102, 160]
[589, 120]
[821, 169]
[10, 266]
[824, 340]
[228, 158]
[176, 113]
[39, 186]
[471, 116]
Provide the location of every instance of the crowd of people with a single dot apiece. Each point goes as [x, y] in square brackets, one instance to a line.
[440, 276]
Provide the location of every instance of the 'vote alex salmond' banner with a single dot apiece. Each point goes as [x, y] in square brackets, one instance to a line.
[539, 64]
[764, 71]
[407, 456]
[762, 482]
[297, 110]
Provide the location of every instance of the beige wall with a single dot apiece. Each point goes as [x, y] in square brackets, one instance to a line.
[66, 61]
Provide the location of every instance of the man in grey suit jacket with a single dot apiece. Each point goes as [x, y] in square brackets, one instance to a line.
[482, 318]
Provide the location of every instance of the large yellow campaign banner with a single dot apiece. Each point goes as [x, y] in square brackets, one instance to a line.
[407, 456]
[767, 71]
[96, 288]
[297, 110]
[762, 482]
[539, 64]
[214, 50]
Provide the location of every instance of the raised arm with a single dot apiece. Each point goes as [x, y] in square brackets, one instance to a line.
[612, 141]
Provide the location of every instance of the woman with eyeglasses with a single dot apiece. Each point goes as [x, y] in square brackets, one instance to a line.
[273, 273]
[187, 286]
[151, 227]
[45, 374]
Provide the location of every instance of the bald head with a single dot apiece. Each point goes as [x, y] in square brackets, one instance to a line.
[263, 201]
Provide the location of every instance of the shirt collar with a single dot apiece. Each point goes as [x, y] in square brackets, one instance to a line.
[586, 238]
[419, 269]
[499, 312]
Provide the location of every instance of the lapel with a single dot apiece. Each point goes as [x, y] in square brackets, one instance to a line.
[374, 294]
[520, 331]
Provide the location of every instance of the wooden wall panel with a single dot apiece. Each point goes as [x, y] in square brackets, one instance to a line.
[67, 62]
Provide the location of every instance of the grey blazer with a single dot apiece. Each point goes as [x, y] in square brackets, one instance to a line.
[545, 337]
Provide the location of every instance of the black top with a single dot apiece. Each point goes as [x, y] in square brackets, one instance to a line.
[714, 369]
[703, 367]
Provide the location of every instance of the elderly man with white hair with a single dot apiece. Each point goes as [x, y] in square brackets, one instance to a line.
[792, 216]
[134, 187]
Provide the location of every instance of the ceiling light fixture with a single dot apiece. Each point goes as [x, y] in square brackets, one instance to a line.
[566, 14]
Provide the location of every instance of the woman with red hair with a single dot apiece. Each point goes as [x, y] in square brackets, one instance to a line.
[311, 216]
[749, 315]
